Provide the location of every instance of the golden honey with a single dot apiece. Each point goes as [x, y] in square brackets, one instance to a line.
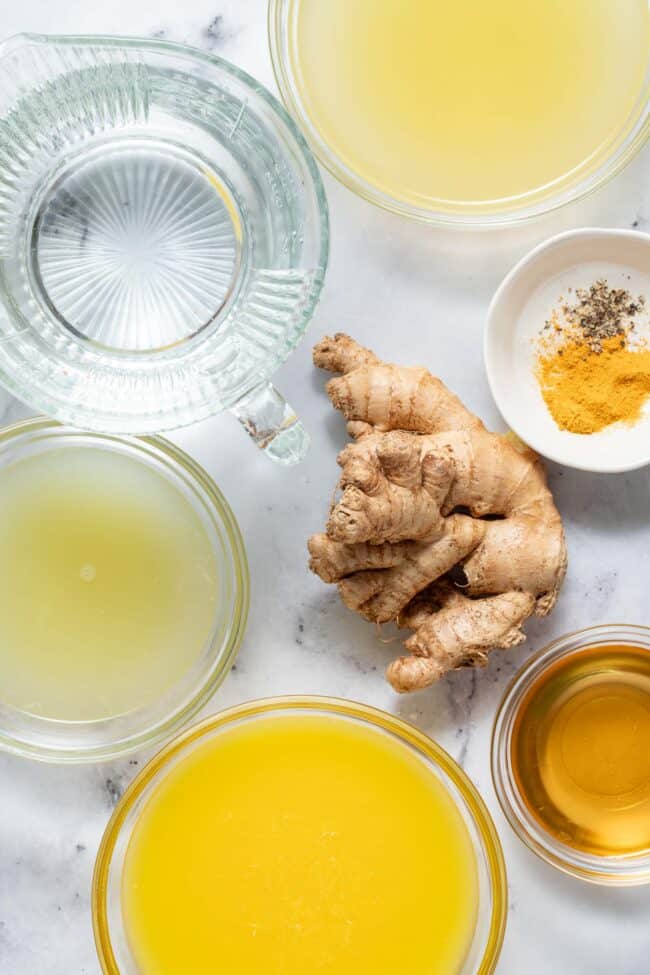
[580, 750]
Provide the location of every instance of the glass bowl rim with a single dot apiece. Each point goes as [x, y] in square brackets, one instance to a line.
[628, 141]
[41, 399]
[374, 717]
[220, 654]
[613, 871]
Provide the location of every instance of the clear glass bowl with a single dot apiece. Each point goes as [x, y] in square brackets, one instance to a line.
[614, 870]
[163, 237]
[53, 740]
[110, 936]
[623, 145]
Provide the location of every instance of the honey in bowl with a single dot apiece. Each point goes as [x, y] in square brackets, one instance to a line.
[439, 103]
[295, 843]
[580, 750]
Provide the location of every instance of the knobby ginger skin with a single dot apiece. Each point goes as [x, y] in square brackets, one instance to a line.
[417, 484]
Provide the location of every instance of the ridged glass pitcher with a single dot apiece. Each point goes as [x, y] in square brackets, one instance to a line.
[163, 237]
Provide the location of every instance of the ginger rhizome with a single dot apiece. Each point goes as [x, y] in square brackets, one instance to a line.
[441, 526]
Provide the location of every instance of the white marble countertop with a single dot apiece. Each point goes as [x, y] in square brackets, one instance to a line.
[417, 295]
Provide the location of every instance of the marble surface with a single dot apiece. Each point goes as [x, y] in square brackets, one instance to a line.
[421, 296]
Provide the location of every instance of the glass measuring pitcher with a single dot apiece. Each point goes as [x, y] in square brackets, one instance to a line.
[163, 237]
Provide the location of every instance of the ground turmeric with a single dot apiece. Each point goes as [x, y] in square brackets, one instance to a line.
[587, 390]
[592, 368]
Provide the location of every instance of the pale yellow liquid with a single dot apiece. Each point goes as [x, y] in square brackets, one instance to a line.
[292, 845]
[107, 584]
[470, 100]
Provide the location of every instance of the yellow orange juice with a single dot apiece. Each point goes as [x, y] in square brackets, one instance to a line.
[299, 843]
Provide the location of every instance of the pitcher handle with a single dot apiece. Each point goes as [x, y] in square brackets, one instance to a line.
[272, 424]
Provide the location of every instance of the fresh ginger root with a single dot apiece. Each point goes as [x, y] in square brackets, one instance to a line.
[441, 526]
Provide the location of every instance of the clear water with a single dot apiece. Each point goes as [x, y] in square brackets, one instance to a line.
[135, 247]
[160, 252]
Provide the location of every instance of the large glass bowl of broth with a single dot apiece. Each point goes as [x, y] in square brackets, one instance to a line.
[300, 834]
[468, 113]
[124, 595]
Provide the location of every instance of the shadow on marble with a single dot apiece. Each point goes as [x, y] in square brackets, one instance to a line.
[485, 255]
[610, 502]
[632, 902]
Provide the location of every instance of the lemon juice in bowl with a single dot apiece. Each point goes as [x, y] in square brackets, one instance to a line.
[111, 584]
[124, 596]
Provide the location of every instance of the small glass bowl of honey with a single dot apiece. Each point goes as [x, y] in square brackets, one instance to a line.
[571, 754]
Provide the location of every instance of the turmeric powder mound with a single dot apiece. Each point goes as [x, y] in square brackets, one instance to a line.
[588, 388]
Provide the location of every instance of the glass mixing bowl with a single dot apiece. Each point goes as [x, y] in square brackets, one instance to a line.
[617, 871]
[33, 736]
[110, 935]
[163, 237]
[623, 145]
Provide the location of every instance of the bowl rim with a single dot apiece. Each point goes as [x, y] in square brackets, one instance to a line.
[149, 424]
[632, 136]
[221, 650]
[407, 733]
[490, 356]
[613, 871]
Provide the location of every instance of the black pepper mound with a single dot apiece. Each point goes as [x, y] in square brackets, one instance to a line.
[601, 312]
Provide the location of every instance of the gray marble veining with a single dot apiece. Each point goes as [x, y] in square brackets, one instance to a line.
[413, 293]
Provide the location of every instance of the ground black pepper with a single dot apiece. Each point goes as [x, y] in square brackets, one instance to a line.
[601, 313]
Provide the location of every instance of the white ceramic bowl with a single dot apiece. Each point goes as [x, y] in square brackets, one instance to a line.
[517, 313]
